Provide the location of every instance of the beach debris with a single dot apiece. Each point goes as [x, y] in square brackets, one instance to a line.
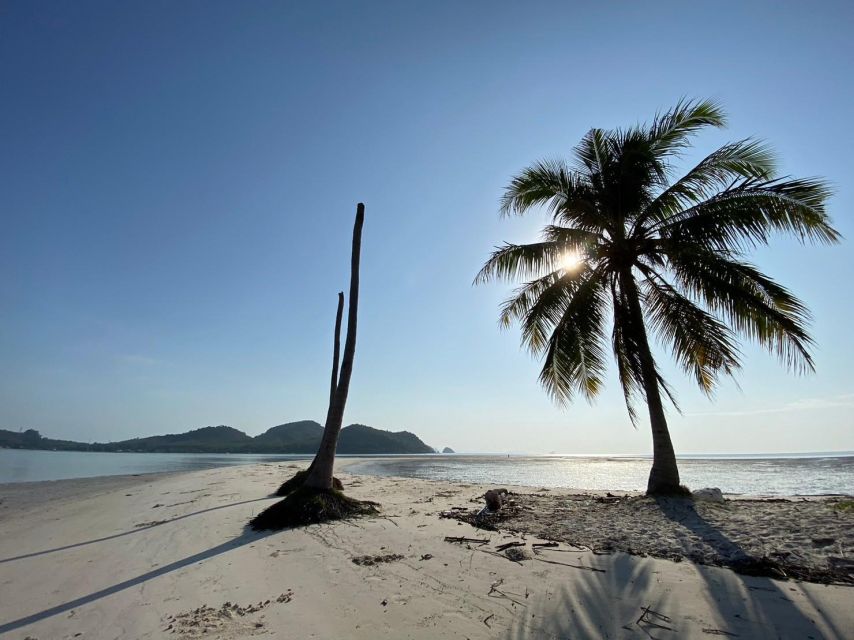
[384, 602]
[487, 619]
[516, 554]
[426, 556]
[153, 523]
[495, 499]
[709, 494]
[205, 618]
[370, 561]
[464, 540]
[507, 545]
[453, 513]
[654, 619]
[537, 547]
[720, 632]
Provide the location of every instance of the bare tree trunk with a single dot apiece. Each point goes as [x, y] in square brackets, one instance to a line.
[664, 475]
[336, 352]
[320, 476]
[336, 349]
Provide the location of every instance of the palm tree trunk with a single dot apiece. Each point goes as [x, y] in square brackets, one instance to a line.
[664, 475]
[320, 475]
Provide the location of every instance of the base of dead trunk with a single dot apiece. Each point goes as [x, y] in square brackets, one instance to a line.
[305, 506]
[662, 490]
[292, 484]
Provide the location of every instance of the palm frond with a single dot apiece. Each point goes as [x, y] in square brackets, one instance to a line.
[549, 183]
[521, 261]
[702, 345]
[748, 158]
[670, 132]
[516, 307]
[750, 212]
[550, 306]
[575, 354]
[751, 302]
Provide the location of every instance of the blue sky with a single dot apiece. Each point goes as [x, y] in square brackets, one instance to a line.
[178, 181]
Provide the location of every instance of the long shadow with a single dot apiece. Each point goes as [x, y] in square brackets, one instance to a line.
[127, 533]
[755, 596]
[246, 537]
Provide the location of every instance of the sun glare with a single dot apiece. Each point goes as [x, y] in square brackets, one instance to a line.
[571, 260]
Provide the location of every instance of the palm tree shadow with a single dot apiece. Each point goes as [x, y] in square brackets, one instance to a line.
[593, 605]
[748, 600]
[246, 537]
[132, 531]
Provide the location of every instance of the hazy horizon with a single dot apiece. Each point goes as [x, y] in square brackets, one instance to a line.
[180, 182]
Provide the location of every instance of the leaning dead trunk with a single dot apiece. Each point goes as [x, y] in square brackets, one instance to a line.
[310, 496]
[664, 475]
[320, 476]
[298, 479]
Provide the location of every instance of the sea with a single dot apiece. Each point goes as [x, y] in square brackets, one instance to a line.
[750, 474]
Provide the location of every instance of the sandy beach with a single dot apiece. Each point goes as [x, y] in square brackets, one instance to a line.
[168, 556]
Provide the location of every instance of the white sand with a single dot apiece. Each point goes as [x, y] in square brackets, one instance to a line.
[88, 561]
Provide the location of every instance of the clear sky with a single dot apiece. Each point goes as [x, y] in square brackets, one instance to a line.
[178, 182]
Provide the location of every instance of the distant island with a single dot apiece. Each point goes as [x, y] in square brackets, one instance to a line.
[448, 450]
[294, 437]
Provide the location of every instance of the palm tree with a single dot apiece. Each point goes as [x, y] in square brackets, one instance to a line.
[633, 249]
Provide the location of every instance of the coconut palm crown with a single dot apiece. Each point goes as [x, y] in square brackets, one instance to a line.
[632, 249]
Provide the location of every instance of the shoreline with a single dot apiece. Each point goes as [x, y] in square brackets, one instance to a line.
[346, 461]
[168, 555]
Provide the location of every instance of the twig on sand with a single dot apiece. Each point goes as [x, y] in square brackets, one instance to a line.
[499, 555]
[486, 620]
[536, 547]
[493, 588]
[462, 540]
[390, 520]
[574, 566]
[507, 545]
[720, 632]
[646, 612]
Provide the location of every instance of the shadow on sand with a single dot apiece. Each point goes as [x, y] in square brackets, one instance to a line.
[132, 531]
[611, 605]
[248, 536]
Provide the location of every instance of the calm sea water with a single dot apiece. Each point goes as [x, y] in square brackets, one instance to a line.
[18, 465]
[814, 474]
[753, 475]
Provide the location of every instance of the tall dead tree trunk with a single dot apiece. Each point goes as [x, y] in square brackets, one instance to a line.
[320, 474]
[336, 350]
[336, 353]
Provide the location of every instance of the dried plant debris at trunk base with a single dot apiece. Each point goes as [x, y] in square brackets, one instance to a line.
[307, 506]
[802, 539]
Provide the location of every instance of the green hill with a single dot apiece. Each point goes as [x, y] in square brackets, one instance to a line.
[301, 437]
